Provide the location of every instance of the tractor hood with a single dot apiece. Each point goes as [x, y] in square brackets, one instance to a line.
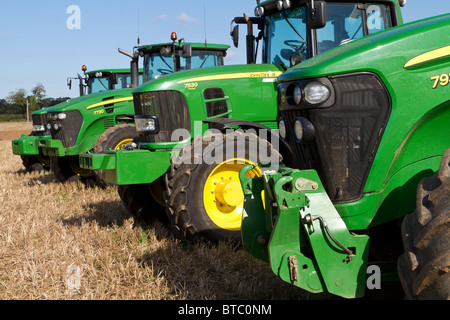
[93, 101]
[380, 53]
[188, 80]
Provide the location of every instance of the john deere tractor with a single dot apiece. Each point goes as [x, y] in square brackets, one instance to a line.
[203, 199]
[93, 81]
[105, 120]
[368, 190]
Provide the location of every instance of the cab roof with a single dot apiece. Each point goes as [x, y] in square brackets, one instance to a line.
[195, 46]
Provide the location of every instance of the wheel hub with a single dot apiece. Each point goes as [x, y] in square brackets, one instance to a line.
[229, 193]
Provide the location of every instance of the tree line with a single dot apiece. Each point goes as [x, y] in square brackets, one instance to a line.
[17, 100]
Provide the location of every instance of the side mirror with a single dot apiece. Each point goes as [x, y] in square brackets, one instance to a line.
[187, 51]
[69, 83]
[235, 35]
[317, 14]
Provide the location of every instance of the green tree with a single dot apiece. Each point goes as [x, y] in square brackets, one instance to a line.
[39, 92]
[17, 101]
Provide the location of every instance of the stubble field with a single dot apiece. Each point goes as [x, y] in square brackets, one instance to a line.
[66, 241]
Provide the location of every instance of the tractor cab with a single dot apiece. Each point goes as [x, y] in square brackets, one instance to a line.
[109, 79]
[165, 58]
[294, 31]
[103, 80]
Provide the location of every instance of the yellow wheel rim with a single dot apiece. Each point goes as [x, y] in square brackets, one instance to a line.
[122, 143]
[223, 197]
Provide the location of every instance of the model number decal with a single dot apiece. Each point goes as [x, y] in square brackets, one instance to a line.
[98, 112]
[442, 80]
[191, 86]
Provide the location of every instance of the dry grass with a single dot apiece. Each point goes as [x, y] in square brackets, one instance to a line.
[47, 227]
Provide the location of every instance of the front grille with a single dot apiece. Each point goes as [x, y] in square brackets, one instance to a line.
[347, 134]
[41, 119]
[171, 109]
[69, 128]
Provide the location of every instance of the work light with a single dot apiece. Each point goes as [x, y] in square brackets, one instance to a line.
[38, 127]
[146, 124]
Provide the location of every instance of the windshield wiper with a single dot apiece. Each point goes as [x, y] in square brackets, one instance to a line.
[103, 85]
[165, 62]
[290, 24]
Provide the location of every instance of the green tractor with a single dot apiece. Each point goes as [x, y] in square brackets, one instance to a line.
[105, 120]
[367, 194]
[204, 200]
[93, 81]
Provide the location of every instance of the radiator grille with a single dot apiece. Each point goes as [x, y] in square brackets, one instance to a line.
[347, 134]
[171, 109]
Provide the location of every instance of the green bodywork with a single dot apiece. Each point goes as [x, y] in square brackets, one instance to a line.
[412, 63]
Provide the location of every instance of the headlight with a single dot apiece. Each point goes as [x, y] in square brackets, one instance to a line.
[303, 130]
[62, 116]
[147, 124]
[282, 128]
[316, 92]
[38, 128]
[297, 95]
[283, 95]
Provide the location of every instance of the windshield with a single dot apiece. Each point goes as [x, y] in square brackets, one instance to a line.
[98, 84]
[346, 22]
[286, 36]
[157, 64]
[103, 83]
[286, 31]
[124, 80]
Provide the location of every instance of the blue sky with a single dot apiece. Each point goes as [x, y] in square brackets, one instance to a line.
[37, 46]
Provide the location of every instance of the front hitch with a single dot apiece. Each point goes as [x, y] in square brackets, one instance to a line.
[290, 222]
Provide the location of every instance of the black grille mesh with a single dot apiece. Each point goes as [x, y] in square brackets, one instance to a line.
[69, 127]
[346, 135]
[171, 109]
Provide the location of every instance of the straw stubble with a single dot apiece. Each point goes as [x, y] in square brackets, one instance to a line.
[67, 241]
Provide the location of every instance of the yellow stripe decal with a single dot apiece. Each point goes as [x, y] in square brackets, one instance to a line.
[241, 75]
[109, 102]
[429, 56]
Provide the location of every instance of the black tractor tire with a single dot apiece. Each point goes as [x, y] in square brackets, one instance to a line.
[187, 190]
[68, 168]
[113, 138]
[36, 163]
[140, 201]
[424, 266]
